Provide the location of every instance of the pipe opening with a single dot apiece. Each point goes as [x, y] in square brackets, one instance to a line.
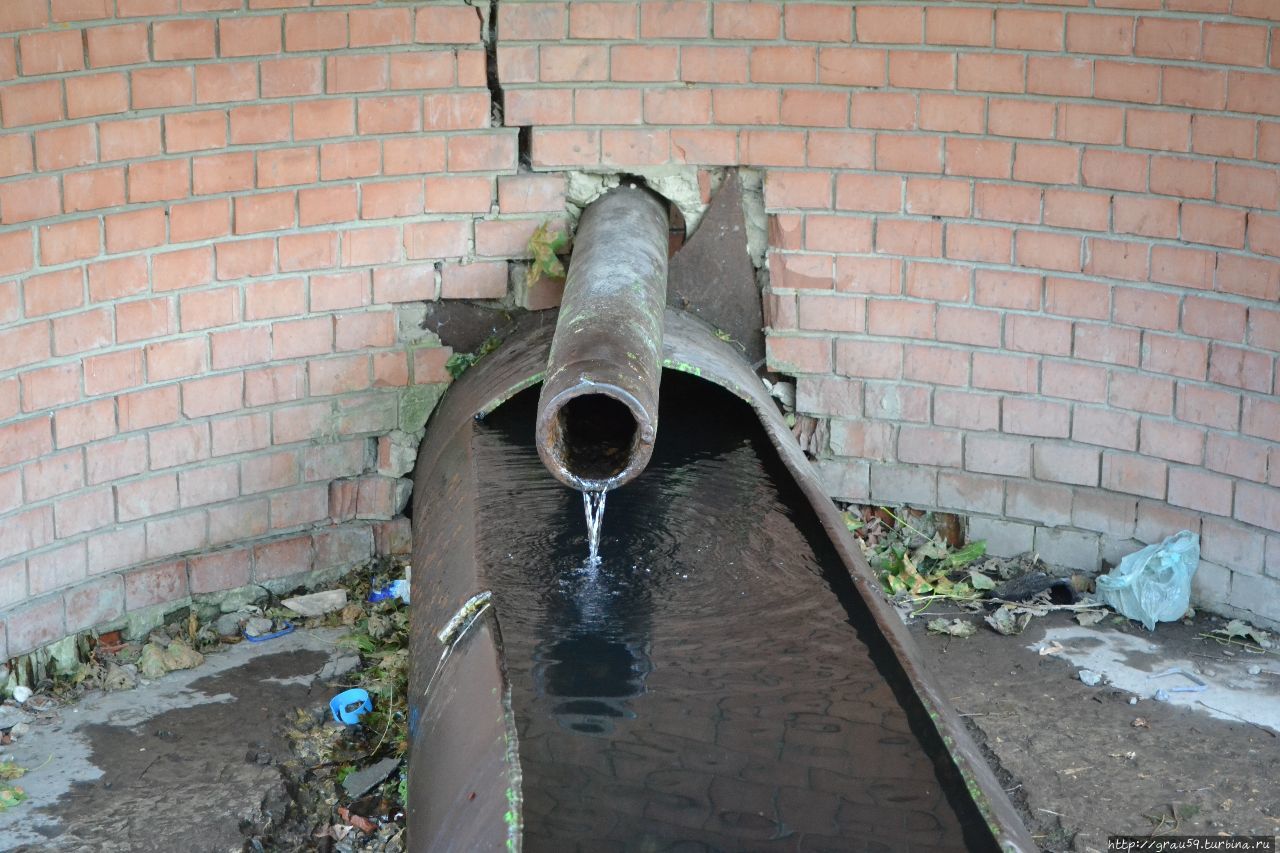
[596, 436]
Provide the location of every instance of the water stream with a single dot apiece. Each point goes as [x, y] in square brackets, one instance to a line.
[593, 505]
[711, 679]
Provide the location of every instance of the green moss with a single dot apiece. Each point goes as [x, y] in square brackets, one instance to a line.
[417, 402]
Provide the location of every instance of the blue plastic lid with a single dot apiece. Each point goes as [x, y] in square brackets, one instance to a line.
[350, 705]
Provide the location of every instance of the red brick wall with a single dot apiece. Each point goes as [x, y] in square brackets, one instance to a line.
[1025, 260]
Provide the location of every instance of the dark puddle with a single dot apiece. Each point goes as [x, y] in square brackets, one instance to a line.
[716, 682]
[188, 779]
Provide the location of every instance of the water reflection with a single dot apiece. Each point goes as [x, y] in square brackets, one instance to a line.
[595, 656]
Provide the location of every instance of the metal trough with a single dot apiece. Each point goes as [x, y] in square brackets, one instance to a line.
[465, 781]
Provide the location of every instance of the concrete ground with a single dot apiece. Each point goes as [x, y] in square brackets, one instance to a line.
[184, 763]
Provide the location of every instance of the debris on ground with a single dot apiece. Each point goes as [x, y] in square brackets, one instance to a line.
[1089, 678]
[10, 795]
[364, 814]
[317, 603]
[1154, 584]
[922, 560]
[1009, 620]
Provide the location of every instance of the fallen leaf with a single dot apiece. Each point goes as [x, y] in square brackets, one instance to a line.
[361, 823]
[954, 628]
[1090, 617]
[1009, 621]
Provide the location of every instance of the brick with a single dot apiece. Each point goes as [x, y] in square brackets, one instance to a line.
[1175, 356]
[84, 512]
[645, 63]
[23, 15]
[1100, 34]
[742, 21]
[894, 25]
[1045, 335]
[965, 410]
[813, 22]
[991, 72]
[154, 87]
[979, 158]
[532, 21]
[221, 570]
[1064, 464]
[1039, 502]
[199, 221]
[83, 331]
[285, 78]
[149, 408]
[935, 365]
[380, 27]
[308, 251]
[336, 117]
[212, 395]
[34, 626]
[47, 387]
[143, 319]
[31, 103]
[840, 66]
[300, 338]
[954, 113]
[259, 123]
[55, 52]
[53, 475]
[411, 284]
[447, 25]
[1114, 515]
[1068, 548]
[108, 461]
[264, 212]
[681, 20]
[391, 199]
[968, 27]
[23, 201]
[1029, 30]
[1238, 457]
[106, 374]
[1036, 418]
[928, 446]
[573, 63]
[1105, 427]
[183, 39]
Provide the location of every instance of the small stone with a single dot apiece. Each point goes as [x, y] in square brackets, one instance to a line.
[21, 694]
[360, 782]
[20, 729]
[1133, 700]
[228, 625]
[338, 666]
[120, 677]
[257, 626]
[1090, 678]
[1255, 670]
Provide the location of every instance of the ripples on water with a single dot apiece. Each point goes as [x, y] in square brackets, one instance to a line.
[705, 685]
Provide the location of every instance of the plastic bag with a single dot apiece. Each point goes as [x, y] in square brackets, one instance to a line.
[1154, 584]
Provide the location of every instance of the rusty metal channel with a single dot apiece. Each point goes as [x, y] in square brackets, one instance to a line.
[464, 785]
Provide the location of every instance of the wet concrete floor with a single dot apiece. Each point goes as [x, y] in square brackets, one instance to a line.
[179, 764]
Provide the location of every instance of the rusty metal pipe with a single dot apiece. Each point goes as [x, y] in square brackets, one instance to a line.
[598, 412]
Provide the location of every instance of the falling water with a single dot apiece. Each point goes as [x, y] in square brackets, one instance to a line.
[593, 504]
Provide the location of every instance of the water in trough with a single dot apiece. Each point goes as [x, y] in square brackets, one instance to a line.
[712, 681]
